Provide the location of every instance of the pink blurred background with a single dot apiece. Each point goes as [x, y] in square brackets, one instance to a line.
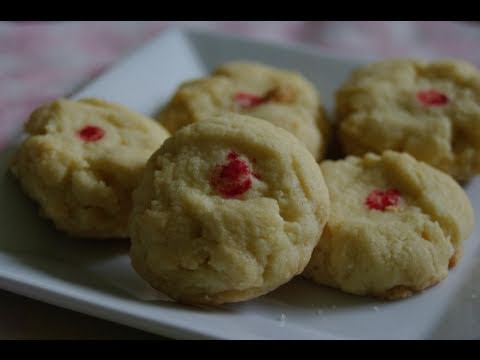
[42, 61]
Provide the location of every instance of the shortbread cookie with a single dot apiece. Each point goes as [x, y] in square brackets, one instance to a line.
[81, 161]
[284, 98]
[428, 109]
[228, 209]
[396, 226]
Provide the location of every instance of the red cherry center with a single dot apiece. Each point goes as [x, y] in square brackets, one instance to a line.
[91, 133]
[247, 100]
[432, 98]
[233, 178]
[380, 200]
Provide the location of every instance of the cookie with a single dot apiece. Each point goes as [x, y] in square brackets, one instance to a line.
[428, 109]
[284, 98]
[396, 226]
[81, 161]
[228, 209]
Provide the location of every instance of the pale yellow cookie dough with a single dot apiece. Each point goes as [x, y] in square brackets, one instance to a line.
[284, 98]
[81, 161]
[228, 209]
[403, 248]
[428, 109]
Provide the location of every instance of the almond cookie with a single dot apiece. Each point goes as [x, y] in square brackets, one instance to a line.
[228, 209]
[428, 109]
[81, 161]
[284, 98]
[396, 226]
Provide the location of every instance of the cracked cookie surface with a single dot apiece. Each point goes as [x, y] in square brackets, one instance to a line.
[396, 226]
[428, 109]
[228, 209]
[81, 161]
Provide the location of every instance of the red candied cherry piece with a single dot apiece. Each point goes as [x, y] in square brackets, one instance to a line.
[247, 100]
[233, 178]
[380, 200]
[91, 133]
[232, 155]
[432, 98]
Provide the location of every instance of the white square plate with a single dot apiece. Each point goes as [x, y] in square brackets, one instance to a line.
[96, 278]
